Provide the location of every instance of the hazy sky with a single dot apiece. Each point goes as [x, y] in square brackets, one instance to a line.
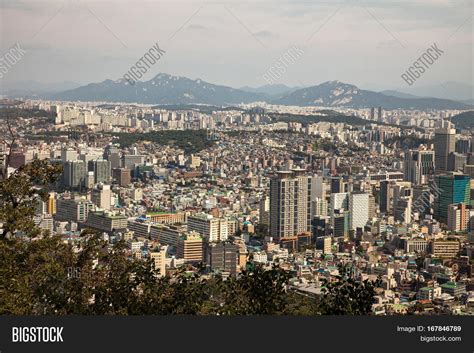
[367, 43]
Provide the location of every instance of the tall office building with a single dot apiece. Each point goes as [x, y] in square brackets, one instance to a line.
[101, 169]
[74, 174]
[456, 162]
[337, 185]
[402, 209]
[418, 166]
[290, 204]
[68, 155]
[223, 257]
[190, 248]
[320, 226]
[444, 143]
[76, 210]
[102, 196]
[358, 209]
[130, 161]
[122, 176]
[339, 201]
[341, 223]
[318, 187]
[453, 188]
[462, 146]
[385, 197]
[372, 206]
[112, 154]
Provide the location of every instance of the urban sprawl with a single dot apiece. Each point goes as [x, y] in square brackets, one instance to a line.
[219, 187]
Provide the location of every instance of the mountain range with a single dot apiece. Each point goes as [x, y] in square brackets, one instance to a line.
[168, 89]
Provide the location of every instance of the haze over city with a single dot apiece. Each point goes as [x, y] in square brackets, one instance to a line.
[234, 43]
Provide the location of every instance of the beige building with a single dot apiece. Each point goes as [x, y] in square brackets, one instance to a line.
[445, 248]
[211, 228]
[106, 222]
[159, 258]
[102, 197]
[459, 216]
[190, 248]
[167, 218]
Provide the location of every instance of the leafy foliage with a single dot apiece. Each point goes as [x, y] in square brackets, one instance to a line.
[464, 120]
[191, 141]
[347, 296]
[20, 193]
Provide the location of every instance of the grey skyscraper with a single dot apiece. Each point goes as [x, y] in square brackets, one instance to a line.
[74, 174]
[290, 204]
[101, 169]
[445, 142]
[456, 162]
[112, 154]
[418, 166]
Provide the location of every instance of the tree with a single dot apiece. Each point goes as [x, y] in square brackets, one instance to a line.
[8, 139]
[20, 194]
[347, 296]
[255, 292]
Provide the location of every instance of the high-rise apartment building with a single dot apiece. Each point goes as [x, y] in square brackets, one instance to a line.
[459, 216]
[290, 204]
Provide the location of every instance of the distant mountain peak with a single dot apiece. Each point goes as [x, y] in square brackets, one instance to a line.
[339, 94]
